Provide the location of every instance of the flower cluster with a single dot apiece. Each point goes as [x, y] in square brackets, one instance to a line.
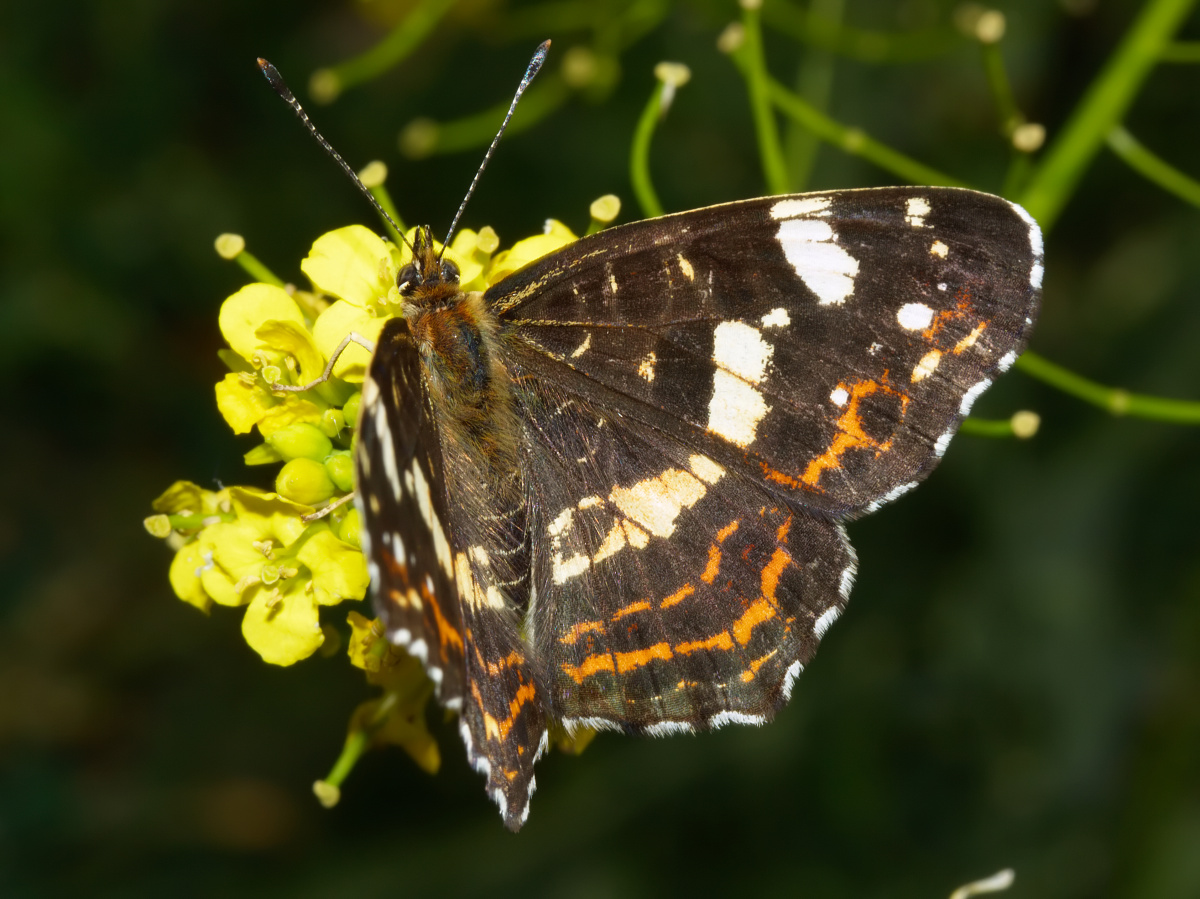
[273, 553]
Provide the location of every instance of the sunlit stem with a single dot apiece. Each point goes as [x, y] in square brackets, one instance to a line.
[1152, 168]
[1111, 399]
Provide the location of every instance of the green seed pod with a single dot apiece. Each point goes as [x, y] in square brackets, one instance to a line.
[348, 529]
[350, 409]
[301, 441]
[304, 481]
[340, 467]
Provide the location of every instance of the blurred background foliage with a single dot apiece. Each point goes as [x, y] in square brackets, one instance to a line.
[1016, 682]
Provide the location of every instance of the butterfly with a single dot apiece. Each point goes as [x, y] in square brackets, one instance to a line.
[610, 491]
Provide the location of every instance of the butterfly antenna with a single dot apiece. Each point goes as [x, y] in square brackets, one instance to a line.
[281, 88]
[535, 66]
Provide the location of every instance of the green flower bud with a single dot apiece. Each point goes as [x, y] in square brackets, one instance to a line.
[332, 422]
[340, 468]
[304, 481]
[350, 409]
[301, 441]
[348, 529]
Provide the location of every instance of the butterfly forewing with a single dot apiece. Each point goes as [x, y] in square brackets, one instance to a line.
[826, 344]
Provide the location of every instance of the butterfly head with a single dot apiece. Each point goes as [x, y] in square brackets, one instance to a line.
[428, 276]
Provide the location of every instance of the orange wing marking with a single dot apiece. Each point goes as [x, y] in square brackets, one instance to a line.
[678, 596]
[500, 729]
[850, 436]
[579, 630]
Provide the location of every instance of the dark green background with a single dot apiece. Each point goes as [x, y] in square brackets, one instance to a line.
[1017, 681]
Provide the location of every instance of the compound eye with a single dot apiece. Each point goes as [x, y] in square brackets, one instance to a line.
[408, 279]
[449, 271]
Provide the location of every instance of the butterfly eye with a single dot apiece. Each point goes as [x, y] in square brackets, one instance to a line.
[408, 280]
[449, 271]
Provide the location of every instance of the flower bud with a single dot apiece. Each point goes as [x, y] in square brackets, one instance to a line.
[304, 481]
[348, 529]
[340, 468]
[350, 409]
[301, 441]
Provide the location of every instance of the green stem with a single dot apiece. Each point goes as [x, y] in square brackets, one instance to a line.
[478, 129]
[817, 30]
[384, 199]
[1181, 51]
[1112, 399]
[256, 269]
[403, 39]
[997, 77]
[986, 427]
[754, 68]
[814, 83]
[855, 142]
[1152, 167]
[1101, 109]
[359, 740]
[639, 155]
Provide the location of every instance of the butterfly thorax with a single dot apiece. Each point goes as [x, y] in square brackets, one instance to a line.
[457, 339]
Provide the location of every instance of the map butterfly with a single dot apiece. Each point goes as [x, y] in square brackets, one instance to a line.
[610, 491]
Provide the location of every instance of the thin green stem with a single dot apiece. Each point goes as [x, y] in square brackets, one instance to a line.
[817, 30]
[814, 82]
[754, 69]
[997, 77]
[1101, 109]
[256, 269]
[1152, 167]
[422, 138]
[856, 142]
[639, 155]
[384, 199]
[1111, 399]
[1181, 51]
[403, 39]
[359, 740]
[987, 427]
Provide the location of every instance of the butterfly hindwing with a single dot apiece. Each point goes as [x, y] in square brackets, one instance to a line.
[672, 593]
[827, 344]
[404, 513]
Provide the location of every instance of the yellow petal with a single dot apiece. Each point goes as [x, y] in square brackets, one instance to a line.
[281, 624]
[351, 263]
[294, 339]
[185, 577]
[242, 405]
[339, 571]
[292, 410]
[246, 311]
[362, 639]
[332, 327]
[269, 514]
[530, 249]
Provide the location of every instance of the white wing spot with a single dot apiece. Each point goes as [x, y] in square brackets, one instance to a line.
[798, 206]
[927, 365]
[736, 406]
[918, 208]
[839, 396]
[646, 368]
[420, 487]
[777, 318]
[685, 267]
[914, 316]
[825, 268]
[939, 249]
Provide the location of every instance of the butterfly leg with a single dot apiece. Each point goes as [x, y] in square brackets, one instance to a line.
[352, 337]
